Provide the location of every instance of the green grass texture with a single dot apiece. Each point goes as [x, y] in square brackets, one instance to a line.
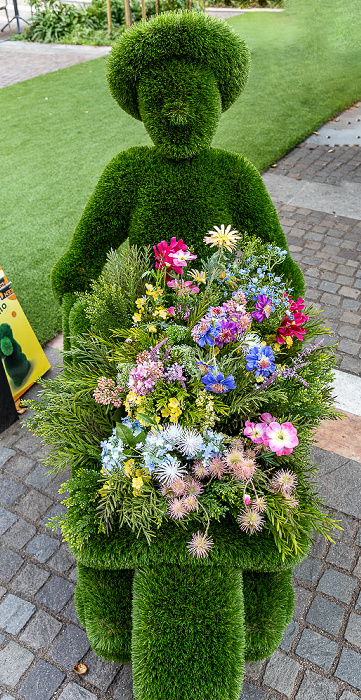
[60, 130]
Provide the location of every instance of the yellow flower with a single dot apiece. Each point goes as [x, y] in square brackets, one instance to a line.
[149, 288]
[216, 350]
[198, 276]
[132, 401]
[155, 293]
[277, 347]
[259, 379]
[161, 312]
[140, 304]
[165, 412]
[222, 237]
[289, 341]
[152, 329]
[137, 318]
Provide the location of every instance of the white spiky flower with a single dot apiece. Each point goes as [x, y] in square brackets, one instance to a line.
[172, 433]
[222, 237]
[190, 442]
[170, 470]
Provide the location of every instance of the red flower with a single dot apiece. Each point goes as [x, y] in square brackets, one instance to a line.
[292, 322]
[162, 254]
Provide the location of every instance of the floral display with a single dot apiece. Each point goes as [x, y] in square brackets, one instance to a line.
[210, 395]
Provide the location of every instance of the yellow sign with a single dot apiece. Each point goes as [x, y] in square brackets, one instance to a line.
[20, 350]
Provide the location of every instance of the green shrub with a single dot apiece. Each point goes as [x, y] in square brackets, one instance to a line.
[52, 20]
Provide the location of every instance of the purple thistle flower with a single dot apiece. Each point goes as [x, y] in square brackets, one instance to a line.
[217, 384]
[264, 308]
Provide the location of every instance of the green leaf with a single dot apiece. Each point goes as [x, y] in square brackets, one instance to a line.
[147, 419]
[124, 433]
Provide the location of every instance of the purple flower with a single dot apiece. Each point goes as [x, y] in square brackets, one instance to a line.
[205, 332]
[174, 373]
[262, 360]
[218, 384]
[227, 333]
[204, 368]
[264, 308]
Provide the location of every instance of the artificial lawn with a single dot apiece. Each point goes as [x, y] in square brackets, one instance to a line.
[61, 129]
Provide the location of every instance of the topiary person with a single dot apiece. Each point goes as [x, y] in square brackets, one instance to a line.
[16, 363]
[177, 74]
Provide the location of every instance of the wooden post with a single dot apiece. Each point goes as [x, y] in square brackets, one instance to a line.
[189, 3]
[109, 15]
[157, 7]
[144, 14]
[128, 19]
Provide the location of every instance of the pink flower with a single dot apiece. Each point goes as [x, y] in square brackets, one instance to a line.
[254, 432]
[108, 393]
[284, 481]
[250, 521]
[162, 253]
[182, 257]
[200, 545]
[182, 287]
[176, 509]
[267, 418]
[246, 499]
[281, 439]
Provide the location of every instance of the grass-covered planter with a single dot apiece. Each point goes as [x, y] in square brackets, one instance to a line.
[186, 416]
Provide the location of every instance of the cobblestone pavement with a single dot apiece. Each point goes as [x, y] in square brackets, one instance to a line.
[328, 250]
[41, 638]
[23, 60]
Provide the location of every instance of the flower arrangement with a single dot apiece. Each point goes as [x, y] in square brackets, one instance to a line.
[201, 408]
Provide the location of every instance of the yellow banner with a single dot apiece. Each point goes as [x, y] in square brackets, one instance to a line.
[20, 350]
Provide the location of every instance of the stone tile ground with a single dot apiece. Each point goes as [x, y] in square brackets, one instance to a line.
[41, 638]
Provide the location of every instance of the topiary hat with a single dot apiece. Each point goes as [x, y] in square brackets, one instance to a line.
[191, 36]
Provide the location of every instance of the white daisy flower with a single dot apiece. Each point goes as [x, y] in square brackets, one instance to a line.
[169, 470]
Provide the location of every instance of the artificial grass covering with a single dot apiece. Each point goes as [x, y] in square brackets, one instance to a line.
[304, 68]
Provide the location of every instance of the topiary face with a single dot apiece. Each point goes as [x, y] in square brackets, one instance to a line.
[180, 106]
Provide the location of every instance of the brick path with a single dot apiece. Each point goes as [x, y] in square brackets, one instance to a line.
[41, 638]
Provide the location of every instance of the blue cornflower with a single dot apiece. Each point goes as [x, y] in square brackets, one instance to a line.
[205, 332]
[262, 360]
[218, 384]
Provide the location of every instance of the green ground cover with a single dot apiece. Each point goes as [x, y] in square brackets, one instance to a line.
[61, 129]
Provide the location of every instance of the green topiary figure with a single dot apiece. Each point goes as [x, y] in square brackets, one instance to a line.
[176, 73]
[16, 363]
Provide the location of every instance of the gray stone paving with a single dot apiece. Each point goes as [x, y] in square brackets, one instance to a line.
[41, 638]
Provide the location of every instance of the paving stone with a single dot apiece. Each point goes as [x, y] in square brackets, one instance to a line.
[307, 571]
[56, 593]
[326, 615]
[10, 491]
[289, 635]
[2, 591]
[5, 454]
[19, 466]
[62, 560]
[14, 661]
[34, 505]
[250, 692]
[10, 563]
[348, 528]
[318, 548]
[30, 579]
[7, 519]
[42, 682]
[341, 555]
[254, 669]
[337, 585]
[342, 491]
[353, 630]
[123, 685]
[19, 535]
[349, 696]
[73, 575]
[357, 569]
[70, 647]
[2, 639]
[76, 692]
[28, 443]
[302, 599]
[349, 668]
[314, 687]
[100, 673]
[281, 673]
[41, 630]
[317, 649]
[15, 613]
[39, 478]
[7, 697]
[53, 489]
[358, 603]
[42, 547]
[70, 613]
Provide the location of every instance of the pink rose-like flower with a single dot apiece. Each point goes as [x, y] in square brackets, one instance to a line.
[162, 253]
[254, 431]
[281, 439]
[182, 257]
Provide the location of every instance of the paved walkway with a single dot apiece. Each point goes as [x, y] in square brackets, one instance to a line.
[41, 638]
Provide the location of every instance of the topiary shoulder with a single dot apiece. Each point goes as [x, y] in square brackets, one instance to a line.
[177, 73]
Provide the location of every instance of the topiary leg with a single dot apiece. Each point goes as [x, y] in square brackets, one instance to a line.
[103, 601]
[188, 633]
[268, 604]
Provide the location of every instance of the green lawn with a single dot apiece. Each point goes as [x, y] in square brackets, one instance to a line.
[60, 130]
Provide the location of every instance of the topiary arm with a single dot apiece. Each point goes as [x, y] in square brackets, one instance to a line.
[104, 225]
[255, 212]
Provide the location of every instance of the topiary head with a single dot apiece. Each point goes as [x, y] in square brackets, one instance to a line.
[177, 73]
